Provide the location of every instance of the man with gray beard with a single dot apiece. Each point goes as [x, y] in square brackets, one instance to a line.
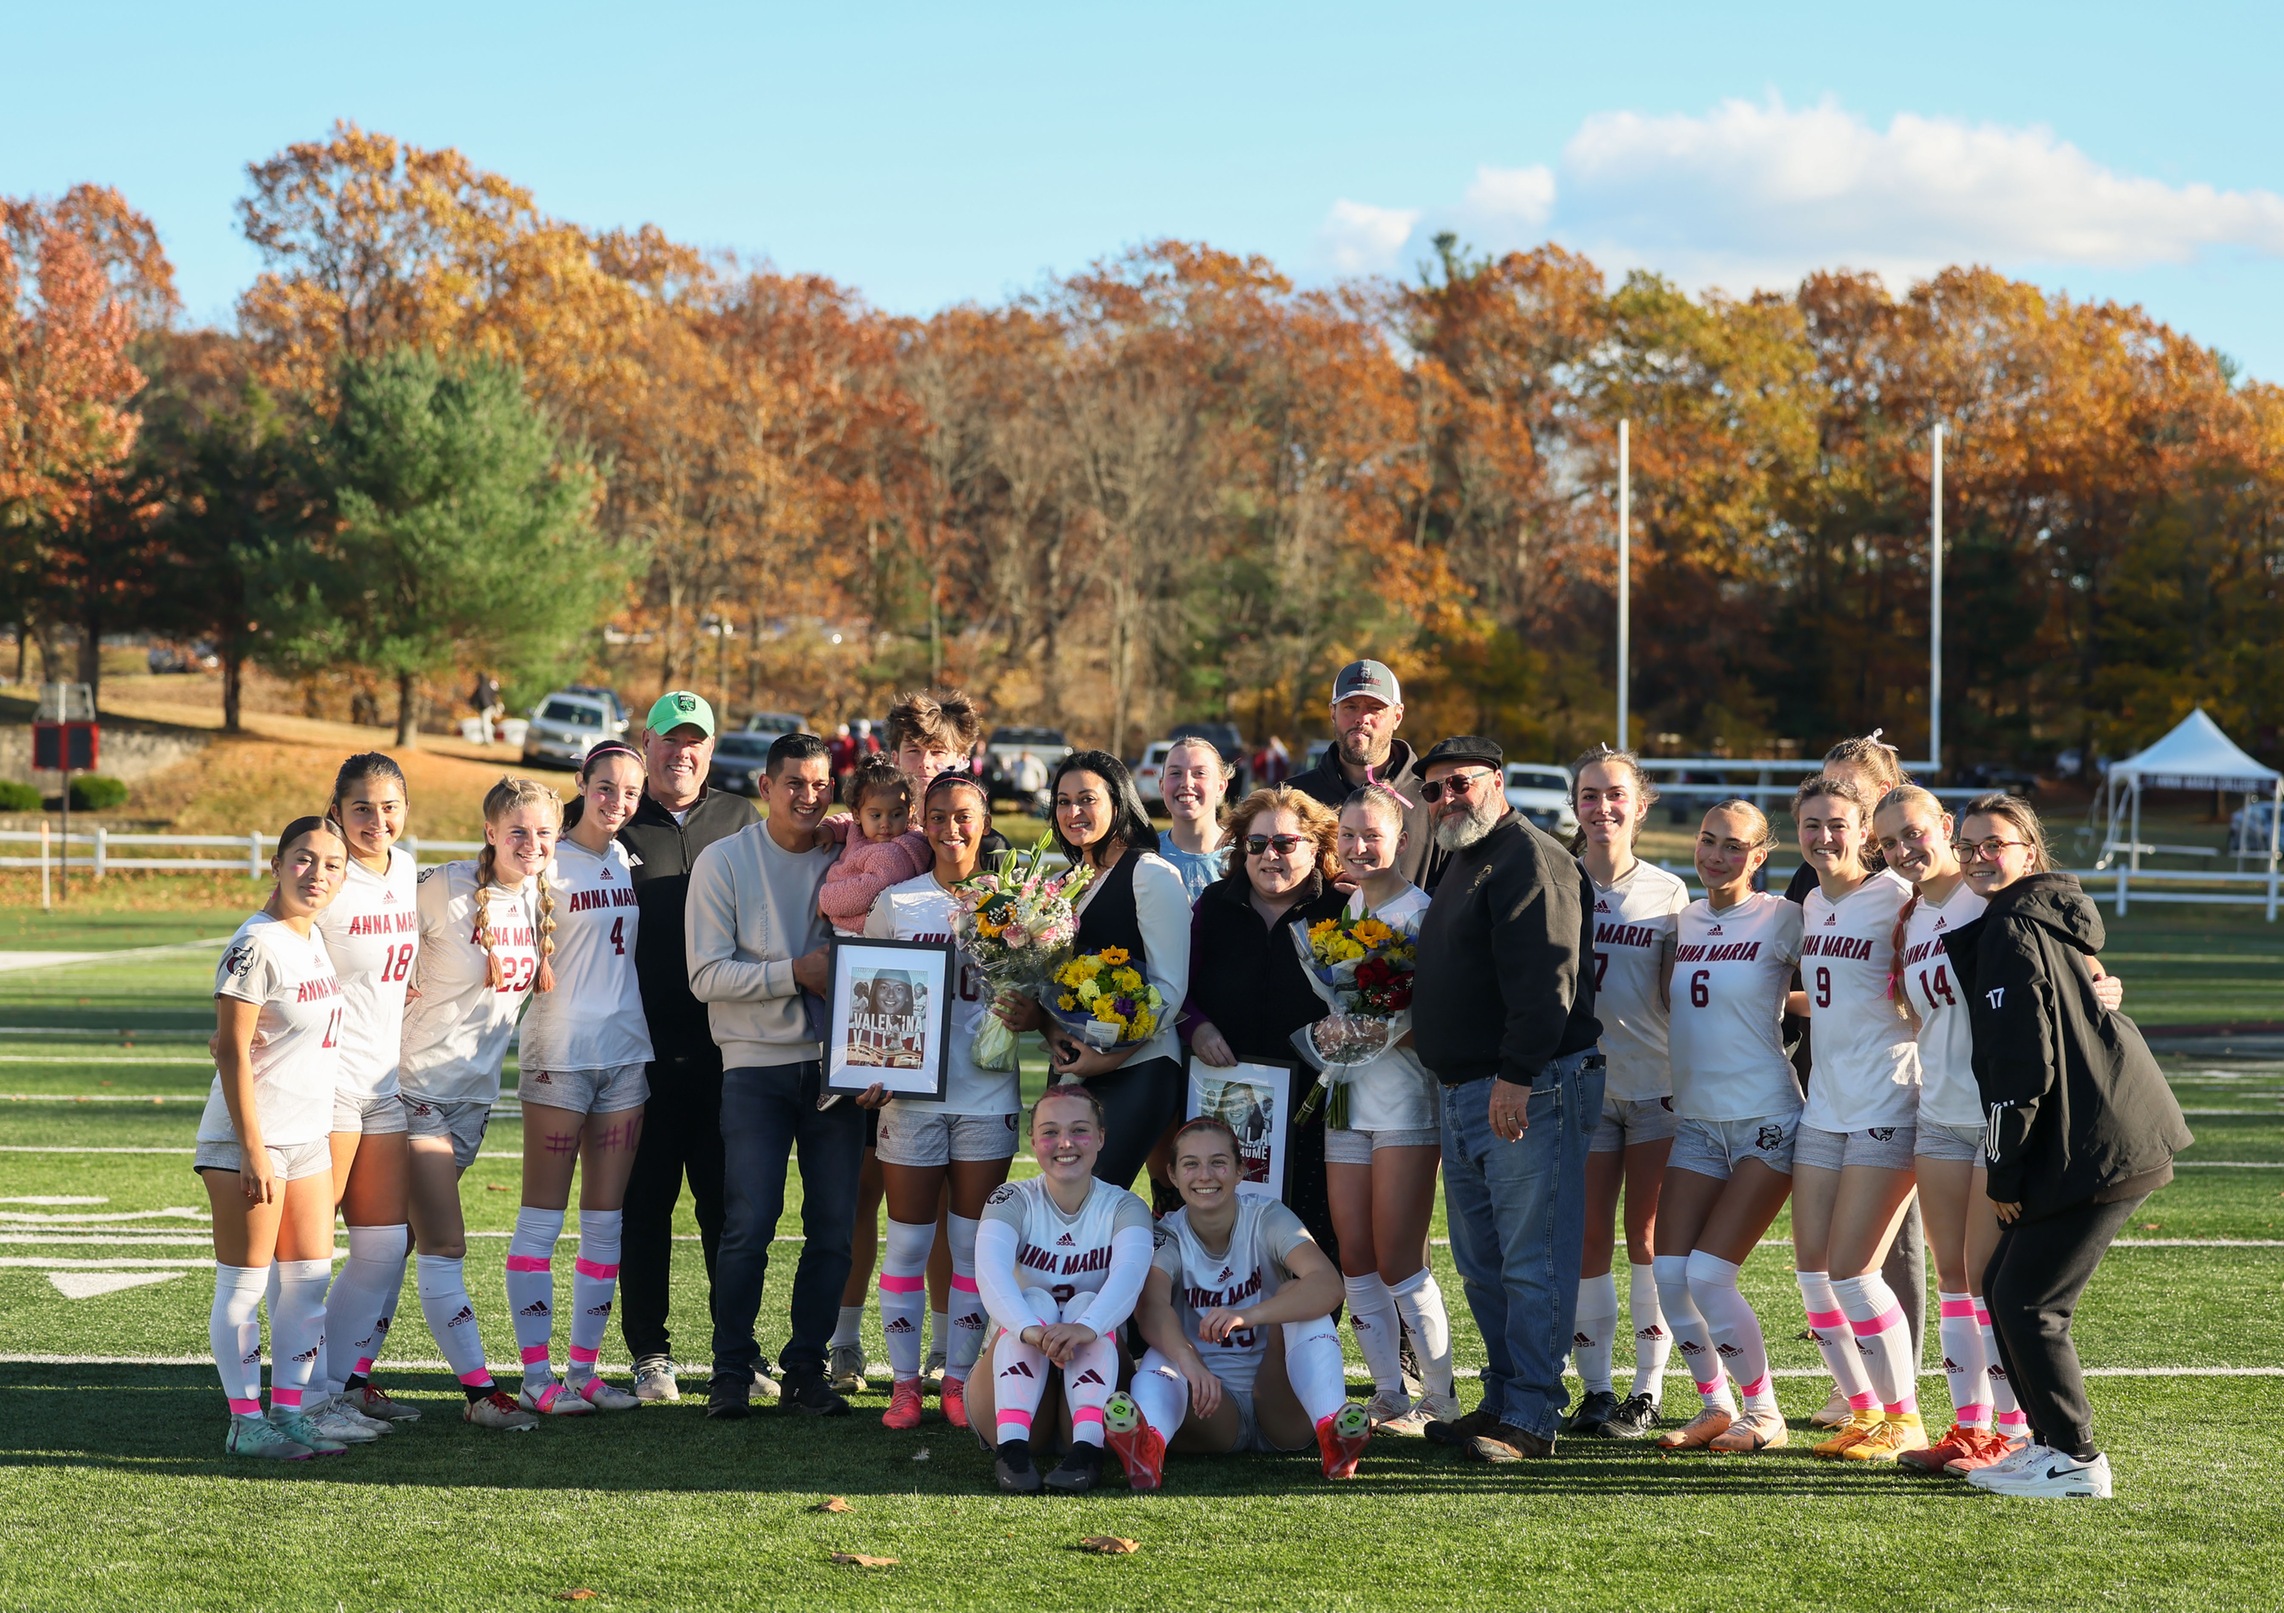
[1503, 1016]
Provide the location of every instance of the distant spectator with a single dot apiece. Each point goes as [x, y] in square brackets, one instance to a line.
[485, 697]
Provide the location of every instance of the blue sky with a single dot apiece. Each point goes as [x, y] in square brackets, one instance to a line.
[930, 154]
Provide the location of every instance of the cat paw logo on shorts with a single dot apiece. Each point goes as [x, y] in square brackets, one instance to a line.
[1769, 1138]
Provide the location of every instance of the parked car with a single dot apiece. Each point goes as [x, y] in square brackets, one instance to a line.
[1227, 740]
[1314, 754]
[1150, 774]
[609, 697]
[568, 724]
[1540, 791]
[1007, 747]
[740, 757]
[774, 723]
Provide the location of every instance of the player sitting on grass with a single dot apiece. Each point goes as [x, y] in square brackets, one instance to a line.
[1238, 1312]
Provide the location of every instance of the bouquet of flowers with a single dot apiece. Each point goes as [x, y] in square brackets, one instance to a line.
[1016, 920]
[1106, 1000]
[1362, 967]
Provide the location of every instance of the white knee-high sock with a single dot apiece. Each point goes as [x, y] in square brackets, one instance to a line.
[1089, 1382]
[1963, 1366]
[940, 1334]
[850, 1330]
[1160, 1392]
[1690, 1333]
[1019, 1378]
[1834, 1339]
[363, 1302]
[271, 1292]
[904, 1291]
[968, 1317]
[1736, 1330]
[2006, 1412]
[1653, 1341]
[531, 1292]
[1877, 1321]
[594, 1289]
[443, 1287]
[1372, 1318]
[1595, 1331]
[1420, 1303]
[1314, 1368]
[297, 1329]
[234, 1328]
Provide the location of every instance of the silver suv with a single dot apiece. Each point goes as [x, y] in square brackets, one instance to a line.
[569, 723]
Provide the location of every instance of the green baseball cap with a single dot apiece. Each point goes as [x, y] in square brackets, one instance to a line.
[679, 708]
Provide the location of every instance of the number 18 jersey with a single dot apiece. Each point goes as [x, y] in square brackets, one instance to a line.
[593, 1018]
[1731, 971]
[371, 930]
[1947, 1091]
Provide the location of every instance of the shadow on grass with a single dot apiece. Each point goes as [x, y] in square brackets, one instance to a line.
[169, 1420]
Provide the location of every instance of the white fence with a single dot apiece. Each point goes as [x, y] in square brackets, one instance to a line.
[105, 851]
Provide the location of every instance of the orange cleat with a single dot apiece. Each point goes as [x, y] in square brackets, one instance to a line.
[1341, 1439]
[1858, 1426]
[1140, 1449]
[955, 1401]
[1700, 1431]
[1990, 1449]
[1958, 1443]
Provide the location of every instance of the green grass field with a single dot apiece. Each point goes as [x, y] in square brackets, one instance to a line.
[114, 1492]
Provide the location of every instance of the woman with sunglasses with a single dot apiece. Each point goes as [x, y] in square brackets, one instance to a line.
[2081, 1129]
[1249, 993]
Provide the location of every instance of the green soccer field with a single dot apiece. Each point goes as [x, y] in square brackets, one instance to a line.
[114, 1492]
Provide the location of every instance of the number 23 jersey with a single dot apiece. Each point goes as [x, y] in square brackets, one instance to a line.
[457, 1023]
[593, 1018]
[1731, 971]
[1251, 1269]
[1947, 1091]
[371, 929]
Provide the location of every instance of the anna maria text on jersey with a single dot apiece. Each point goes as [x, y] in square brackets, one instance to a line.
[1717, 952]
[583, 901]
[393, 921]
[1065, 1263]
[1819, 945]
[1616, 933]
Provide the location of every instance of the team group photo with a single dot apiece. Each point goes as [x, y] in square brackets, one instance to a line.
[773, 869]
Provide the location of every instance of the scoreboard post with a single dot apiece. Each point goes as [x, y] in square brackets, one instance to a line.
[66, 739]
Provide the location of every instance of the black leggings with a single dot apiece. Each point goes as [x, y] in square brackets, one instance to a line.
[2032, 1286]
[1139, 1101]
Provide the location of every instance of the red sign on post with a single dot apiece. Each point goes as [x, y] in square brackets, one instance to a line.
[61, 746]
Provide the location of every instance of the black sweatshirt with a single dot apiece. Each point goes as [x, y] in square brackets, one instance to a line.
[2077, 1105]
[1501, 988]
[663, 852]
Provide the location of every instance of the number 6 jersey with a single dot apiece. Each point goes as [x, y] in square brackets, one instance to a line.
[1731, 970]
[593, 1018]
[457, 1024]
[371, 930]
[296, 1048]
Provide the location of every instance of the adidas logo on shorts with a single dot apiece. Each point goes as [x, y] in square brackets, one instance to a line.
[537, 1307]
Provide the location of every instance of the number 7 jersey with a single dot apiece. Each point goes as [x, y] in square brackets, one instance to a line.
[593, 1018]
[1947, 1091]
[371, 930]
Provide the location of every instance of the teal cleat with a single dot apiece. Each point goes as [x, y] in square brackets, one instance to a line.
[303, 1431]
[256, 1437]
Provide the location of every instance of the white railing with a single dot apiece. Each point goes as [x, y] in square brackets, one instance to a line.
[109, 851]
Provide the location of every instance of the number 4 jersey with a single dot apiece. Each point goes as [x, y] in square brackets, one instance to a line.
[593, 1018]
[1947, 1091]
[371, 929]
[457, 1024]
[296, 1048]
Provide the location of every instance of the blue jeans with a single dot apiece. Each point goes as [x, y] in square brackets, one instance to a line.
[1517, 1213]
[769, 1114]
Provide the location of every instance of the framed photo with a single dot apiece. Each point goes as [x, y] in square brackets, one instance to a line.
[1257, 1100]
[889, 1020]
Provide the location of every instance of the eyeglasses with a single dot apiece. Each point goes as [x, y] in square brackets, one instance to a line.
[1286, 845]
[1988, 850]
[1456, 783]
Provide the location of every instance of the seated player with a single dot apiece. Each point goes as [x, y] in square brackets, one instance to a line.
[1237, 1310]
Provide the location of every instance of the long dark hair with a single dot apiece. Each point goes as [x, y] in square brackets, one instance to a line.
[365, 765]
[1129, 823]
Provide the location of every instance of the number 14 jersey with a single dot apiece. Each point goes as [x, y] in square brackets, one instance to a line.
[1947, 1091]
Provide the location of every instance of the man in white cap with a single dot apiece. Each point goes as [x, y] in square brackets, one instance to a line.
[1367, 708]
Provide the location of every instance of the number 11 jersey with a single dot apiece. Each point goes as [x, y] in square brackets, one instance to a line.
[593, 1018]
[371, 930]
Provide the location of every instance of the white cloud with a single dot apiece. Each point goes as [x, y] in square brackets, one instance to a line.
[1512, 196]
[1361, 239]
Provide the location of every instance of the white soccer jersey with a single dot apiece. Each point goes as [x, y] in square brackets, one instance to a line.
[1634, 925]
[1731, 971]
[921, 910]
[1393, 1092]
[1250, 1269]
[1066, 1255]
[593, 1018]
[371, 930]
[1865, 1069]
[1947, 1091]
[456, 1026]
[296, 1050]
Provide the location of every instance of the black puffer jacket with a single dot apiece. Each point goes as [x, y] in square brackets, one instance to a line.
[2077, 1105]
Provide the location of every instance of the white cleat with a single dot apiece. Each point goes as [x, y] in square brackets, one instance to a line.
[554, 1399]
[2047, 1473]
[337, 1422]
[1429, 1408]
[605, 1396]
[496, 1410]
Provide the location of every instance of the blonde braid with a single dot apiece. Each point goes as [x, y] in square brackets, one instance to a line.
[483, 935]
[546, 981]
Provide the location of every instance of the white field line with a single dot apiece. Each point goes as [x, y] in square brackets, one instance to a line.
[179, 1212]
[59, 960]
[88, 1033]
[53, 1198]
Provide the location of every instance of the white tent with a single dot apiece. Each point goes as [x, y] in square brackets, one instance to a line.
[2196, 755]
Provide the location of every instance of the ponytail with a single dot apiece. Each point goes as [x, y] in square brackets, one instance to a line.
[546, 978]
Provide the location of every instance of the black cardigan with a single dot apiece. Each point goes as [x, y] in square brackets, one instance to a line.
[1244, 979]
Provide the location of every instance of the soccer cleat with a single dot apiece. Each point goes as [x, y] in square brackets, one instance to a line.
[344, 1427]
[1636, 1416]
[1140, 1449]
[1079, 1471]
[369, 1401]
[1888, 1441]
[1698, 1432]
[845, 1371]
[2053, 1473]
[1425, 1410]
[654, 1379]
[1341, 1438]
[1858, 1425]
[903, 1405]
[606, 1396]
[932, 1374]
[1835, 1414]
[297, 1426]
[955, 1401]
[1957, 1444]
[1593, 1414]
[1388, 1406]
[1014, 1469]
[262, 1440]
[555, 1399]
[1752, 1431]
[498, 1410]
[1992, 1449]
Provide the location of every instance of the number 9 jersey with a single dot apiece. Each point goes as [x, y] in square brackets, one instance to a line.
[371, 930]
[457, 1024]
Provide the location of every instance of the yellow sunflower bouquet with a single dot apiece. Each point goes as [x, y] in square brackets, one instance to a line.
[1105, 1001]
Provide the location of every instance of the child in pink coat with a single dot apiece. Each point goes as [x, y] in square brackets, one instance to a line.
[882, 848]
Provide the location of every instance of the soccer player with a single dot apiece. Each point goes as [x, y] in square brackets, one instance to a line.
[1738, 1109]
[1380, 1167]
[1636, 907]
[371, 930]
[1237, 1310]
[581, 1053]
[1852, 1162]
[1060, 1260]
[262, 1149]
[486, 931]
[965, 1142]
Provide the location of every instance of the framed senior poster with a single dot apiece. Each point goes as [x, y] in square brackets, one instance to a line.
[1257, 1100]
[889, 1020]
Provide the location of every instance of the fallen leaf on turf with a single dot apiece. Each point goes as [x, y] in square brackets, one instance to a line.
[581, 1594]
[854, 1559]
[2151, 1226]
[1110, 1545]
[495, 1187]
[920, 1455]
[832, 1503]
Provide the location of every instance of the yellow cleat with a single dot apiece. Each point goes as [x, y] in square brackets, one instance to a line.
[1858, 1426]
[1889, 1440]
